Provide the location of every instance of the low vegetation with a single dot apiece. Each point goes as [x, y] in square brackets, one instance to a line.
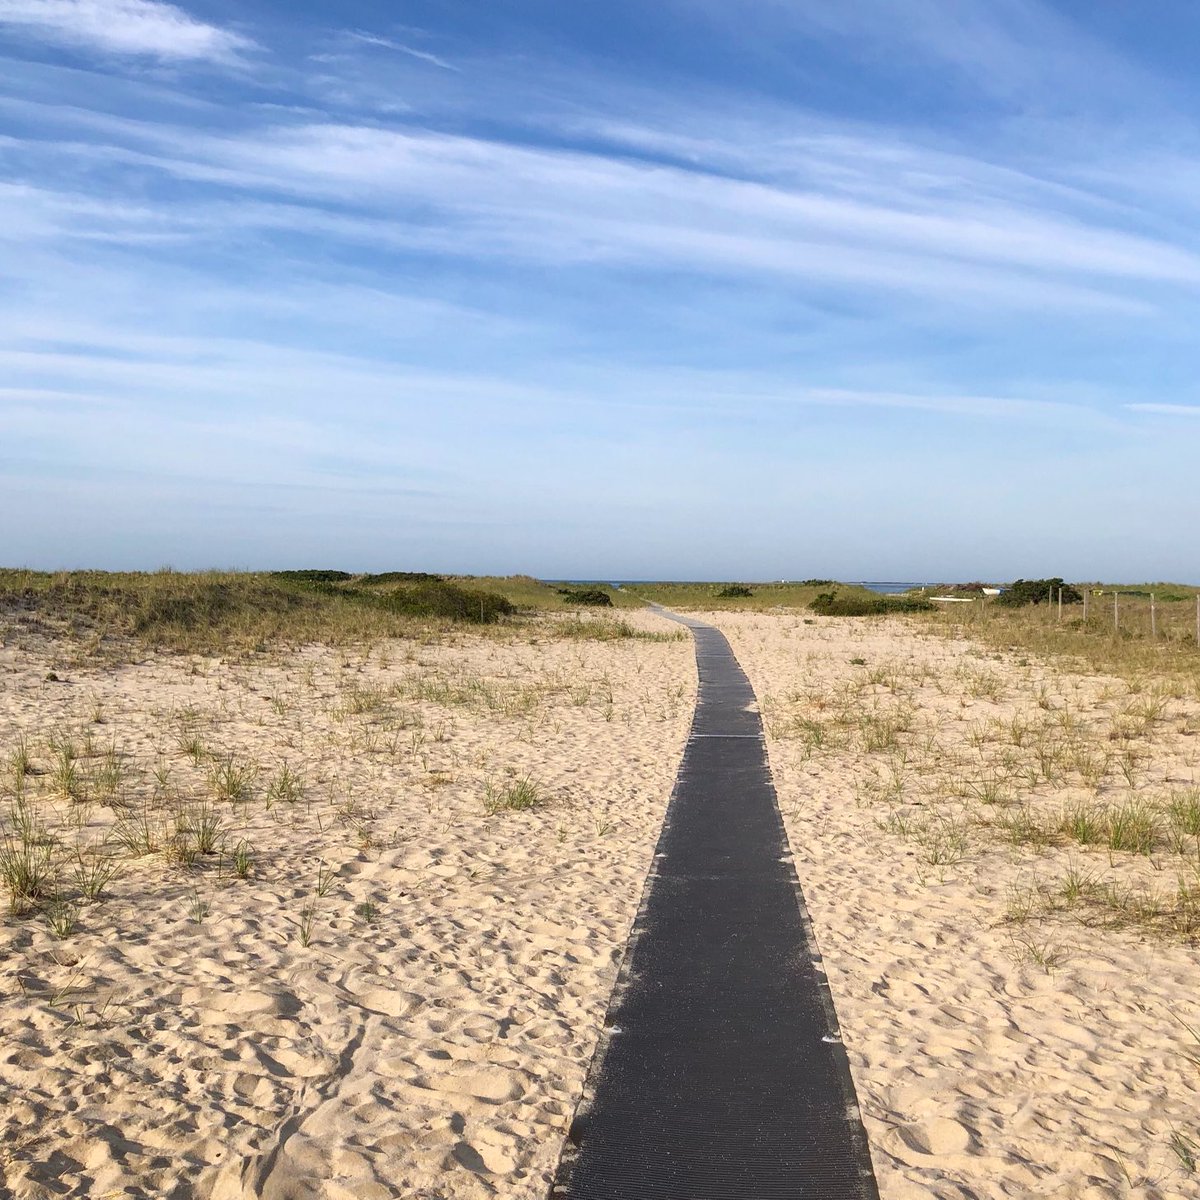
[1038, 591]
[855, 604]
[234, 613]
[591, 597]
[1127, 631]
[737, 596]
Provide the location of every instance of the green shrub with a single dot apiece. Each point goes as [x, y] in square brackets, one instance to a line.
[595, 597]
[830, 604]
[401, 577]
[1034, 591]
[734, 591]
[312, 576]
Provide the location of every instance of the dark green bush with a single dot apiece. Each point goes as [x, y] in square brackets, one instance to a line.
[1034, 591]
[595, 597]
[830, 604]
[402, 577]
[312, 576]
[734, 591]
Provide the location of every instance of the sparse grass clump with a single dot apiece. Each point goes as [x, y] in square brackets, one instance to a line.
[1133, 827]
[519, 796]
[286, 786]
[20, 764]
[61, 916]
[203, 826]
[242, 860]
[230, 780]
[140, 831]
[27, 871]
[604, 629]
[93, 872]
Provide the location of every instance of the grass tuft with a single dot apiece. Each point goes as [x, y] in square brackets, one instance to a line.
[519, 796]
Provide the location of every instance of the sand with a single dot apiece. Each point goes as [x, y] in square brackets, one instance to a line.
[993, 1056]
[403, 996]
[432, 1036]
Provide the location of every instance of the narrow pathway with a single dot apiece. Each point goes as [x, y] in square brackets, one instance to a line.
[721, 1074]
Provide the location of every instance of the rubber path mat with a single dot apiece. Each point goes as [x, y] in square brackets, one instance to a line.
[720, 1074]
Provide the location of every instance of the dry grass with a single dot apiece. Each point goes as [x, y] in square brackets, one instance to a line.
[1139, 644]
[1042, 756]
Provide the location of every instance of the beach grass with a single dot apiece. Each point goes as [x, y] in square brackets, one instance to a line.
[223, 614]
[742, 596]
[1142, 637]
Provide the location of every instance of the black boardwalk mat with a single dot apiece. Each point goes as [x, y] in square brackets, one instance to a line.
[721, 1074]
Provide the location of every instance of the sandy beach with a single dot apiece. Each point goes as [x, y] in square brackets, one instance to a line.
[403, 994]
[333, 963]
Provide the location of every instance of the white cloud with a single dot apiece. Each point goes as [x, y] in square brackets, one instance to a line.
[912, 220]
[1169, 410]
[371, 39]
[130, 27]
[1006, 49]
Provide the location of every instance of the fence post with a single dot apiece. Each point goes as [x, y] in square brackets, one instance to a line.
[1085, 603]
[1116, 616]
[1060, 606]
[1153, 618]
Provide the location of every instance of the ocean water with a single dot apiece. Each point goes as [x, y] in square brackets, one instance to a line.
[889, 588]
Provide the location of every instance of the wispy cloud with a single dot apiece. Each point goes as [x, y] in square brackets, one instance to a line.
[1009, 50]
[1169, 410]
[148, 28]
[915, 229]
[373, 39]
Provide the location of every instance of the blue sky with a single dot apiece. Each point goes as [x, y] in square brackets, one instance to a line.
[697, 288]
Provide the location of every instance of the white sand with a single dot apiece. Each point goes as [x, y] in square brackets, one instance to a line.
[433, 1044]
[980, 1073]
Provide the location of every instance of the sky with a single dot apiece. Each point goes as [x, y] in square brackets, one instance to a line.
[713, 289]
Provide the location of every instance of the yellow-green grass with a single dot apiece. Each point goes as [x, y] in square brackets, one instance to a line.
[237, 613]
[540, 594]
[207, 612]
[764, 596]
[1133, 644]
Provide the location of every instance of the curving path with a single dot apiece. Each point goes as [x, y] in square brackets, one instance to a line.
[721, 1074]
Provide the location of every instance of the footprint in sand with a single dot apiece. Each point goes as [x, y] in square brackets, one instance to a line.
[491, 1085]
[489, 1154]
[388, 1002]
[216, 1006]
[940, 1137]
